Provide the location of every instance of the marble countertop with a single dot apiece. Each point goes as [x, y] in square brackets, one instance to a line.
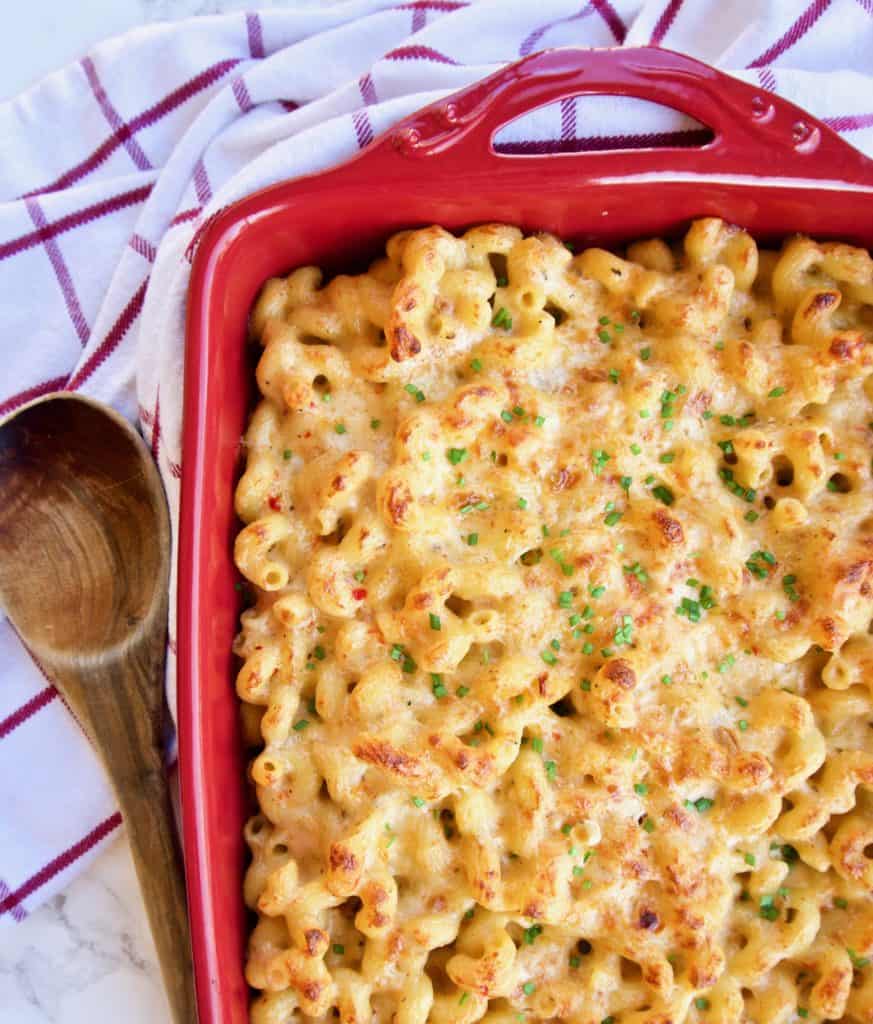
[84, 954]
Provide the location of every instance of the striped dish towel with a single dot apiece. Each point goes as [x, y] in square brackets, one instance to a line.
[112, 164]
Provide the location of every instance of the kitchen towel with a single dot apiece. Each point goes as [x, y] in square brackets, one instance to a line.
[111, 166]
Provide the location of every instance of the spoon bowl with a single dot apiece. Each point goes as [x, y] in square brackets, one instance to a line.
[85, 522]
[84, 566]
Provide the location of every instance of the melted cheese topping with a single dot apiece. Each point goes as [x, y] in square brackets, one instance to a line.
[558, 664]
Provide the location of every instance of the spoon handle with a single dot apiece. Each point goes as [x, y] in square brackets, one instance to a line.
[128, 733]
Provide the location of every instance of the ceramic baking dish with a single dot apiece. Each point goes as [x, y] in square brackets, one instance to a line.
[769, 167]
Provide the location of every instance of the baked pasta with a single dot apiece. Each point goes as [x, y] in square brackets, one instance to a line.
[557, 660]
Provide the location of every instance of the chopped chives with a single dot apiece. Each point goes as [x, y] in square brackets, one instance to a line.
[502, 318]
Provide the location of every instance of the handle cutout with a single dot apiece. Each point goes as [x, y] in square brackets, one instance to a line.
[599, 123]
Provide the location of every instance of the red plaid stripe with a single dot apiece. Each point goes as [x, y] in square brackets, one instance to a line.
[418, 53]
[18, 717]
[11, 900]
[112, 116]
[241, 94]
[201, 183]
[69, 221]
[255, 33]
[367, 89]
[431, 5]
[144, 247]
[62, 271]
[599, 143]
[17, 911]
[767, 79]
[185, 215]
[148, 117]
[613, 22]
[568, 118]
[363, 128]
[22, 397]
[849, 122]
[665, 22]
[602, 7]
[795, 33]
[106, 347]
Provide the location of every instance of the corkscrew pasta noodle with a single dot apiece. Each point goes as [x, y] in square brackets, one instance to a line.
[557, 662]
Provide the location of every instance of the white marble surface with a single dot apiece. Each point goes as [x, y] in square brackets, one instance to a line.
[86, 957]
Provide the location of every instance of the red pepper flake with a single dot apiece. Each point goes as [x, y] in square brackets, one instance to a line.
[359, 593]
[274, 503]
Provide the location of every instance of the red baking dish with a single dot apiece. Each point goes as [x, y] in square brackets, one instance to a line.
[769, 167]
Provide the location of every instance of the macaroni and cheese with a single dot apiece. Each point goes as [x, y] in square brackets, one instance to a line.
[558, 660]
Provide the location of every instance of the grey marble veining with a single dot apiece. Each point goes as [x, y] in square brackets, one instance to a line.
[84, 955]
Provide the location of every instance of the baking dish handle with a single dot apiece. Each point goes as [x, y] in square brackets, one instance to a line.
[754, 131]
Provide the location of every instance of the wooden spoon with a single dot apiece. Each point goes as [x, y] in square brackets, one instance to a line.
[84, 560]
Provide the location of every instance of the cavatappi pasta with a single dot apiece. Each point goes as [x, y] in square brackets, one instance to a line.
[558, 661]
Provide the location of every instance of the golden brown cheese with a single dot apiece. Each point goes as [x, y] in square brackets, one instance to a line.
[558, 661]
